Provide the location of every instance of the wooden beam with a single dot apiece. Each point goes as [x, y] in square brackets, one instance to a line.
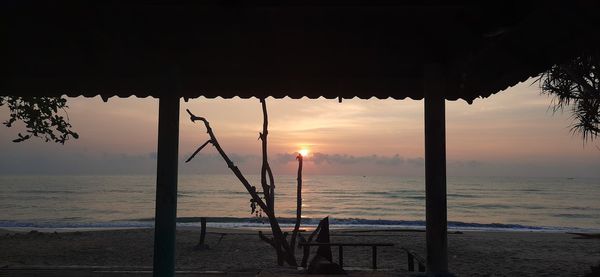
[166, 187]
[435, 170]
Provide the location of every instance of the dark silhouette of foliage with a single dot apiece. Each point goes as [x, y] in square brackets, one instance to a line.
[40, 116]
[576, 84]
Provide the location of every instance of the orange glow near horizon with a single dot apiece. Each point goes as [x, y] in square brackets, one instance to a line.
[508, 134]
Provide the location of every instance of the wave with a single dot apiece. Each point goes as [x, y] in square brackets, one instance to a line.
[43, 191]
[584, 216]
[261, 222]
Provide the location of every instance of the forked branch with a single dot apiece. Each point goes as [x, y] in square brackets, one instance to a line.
[198, 150]
[279, 242]
[268, 185]
[230, 163]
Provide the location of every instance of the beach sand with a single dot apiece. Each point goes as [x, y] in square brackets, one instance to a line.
[471, 253]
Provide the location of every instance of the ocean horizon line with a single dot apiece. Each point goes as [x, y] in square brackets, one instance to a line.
[306, 176]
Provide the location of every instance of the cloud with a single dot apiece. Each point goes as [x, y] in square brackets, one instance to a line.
[417, 162]
[466, 164]
[283, 158]
[60, 161]
[394, 160]
[214, 163]
[344, 159]
[65, 162]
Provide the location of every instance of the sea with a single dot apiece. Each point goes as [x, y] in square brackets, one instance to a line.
[474, 203]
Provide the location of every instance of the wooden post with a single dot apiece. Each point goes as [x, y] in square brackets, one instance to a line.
[374, 257]
[306, 252]
[201, 244]
[166, 187]
[341, 255]
[435, 170]
[202, 230]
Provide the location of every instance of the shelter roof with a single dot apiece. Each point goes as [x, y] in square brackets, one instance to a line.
[289, 48]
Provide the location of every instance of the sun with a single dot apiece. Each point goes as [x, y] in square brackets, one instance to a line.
[304, 152]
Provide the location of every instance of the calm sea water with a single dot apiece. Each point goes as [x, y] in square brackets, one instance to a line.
[542, 204]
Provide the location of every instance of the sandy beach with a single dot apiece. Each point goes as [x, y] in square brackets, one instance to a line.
[471, 253]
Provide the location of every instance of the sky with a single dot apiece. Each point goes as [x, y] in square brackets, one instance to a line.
[511, 133]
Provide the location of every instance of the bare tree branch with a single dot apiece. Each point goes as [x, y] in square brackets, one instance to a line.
[298, 202]
[197, 151]
[268, 188]
[230, 163]
[283, 249]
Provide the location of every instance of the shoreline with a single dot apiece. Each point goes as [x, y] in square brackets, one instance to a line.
[266, 227]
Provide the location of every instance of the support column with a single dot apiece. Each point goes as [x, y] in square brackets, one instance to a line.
[166, 187]
[435, 171]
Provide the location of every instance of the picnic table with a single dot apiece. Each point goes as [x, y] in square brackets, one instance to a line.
[341, 249]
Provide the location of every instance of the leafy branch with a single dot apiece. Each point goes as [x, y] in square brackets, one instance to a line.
[40, 116]
[576, 84]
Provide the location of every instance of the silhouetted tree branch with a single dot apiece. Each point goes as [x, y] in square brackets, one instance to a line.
[197, 151]
[285, 251]
[576, 83]
[213, 140]
[40, 116]
[268, 188]
[298, 202]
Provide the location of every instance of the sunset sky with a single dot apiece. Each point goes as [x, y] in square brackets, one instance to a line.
[512, 133]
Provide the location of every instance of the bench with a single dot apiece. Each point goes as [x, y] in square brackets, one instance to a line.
[341, 249]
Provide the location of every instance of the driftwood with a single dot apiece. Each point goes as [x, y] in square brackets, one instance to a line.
[322, 262]
[298, 202]
[201, 244]
[324, 237]
[284, 250]
[585, 235]
[306, 251]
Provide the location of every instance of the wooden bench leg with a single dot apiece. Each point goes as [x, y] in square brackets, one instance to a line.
[411, 262]
[341, 256]
[305, 256]
[374, 257]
